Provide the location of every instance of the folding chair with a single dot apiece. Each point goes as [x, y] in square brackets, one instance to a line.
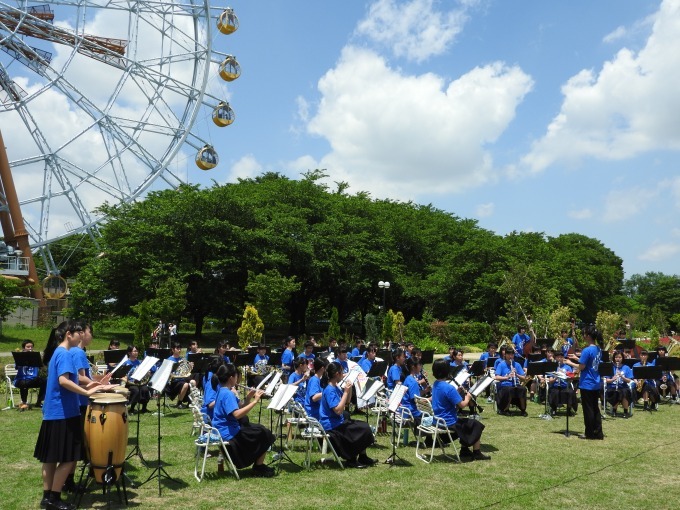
[380, 408]
[297, 419]
[210, 437]
[403, 417]
[436, 427]
[314, 433]
[10, 374]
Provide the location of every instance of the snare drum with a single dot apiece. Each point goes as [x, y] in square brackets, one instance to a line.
[106, 434]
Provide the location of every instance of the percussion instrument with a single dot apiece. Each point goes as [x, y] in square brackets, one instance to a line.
[121, 390]
[106, 435]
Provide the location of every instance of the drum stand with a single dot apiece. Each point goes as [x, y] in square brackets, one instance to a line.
[160, 471]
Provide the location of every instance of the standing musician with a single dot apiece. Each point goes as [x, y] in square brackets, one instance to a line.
[510, 376]
[667, 384]
[520, 340]
[445, 404]
[60, 441]
[287, 357]
[248, 443]
[618, 389]
[395, 374]
[139, 393]
[178, 386]
[29, 377]
[647, 387]
[314, 391]
[568, 342]
[350, 438]
[589, 382]
[561, 391]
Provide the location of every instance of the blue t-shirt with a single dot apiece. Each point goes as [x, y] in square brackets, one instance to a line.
[590, 378]
[569, 343]
[445, 400]
[59, 402]
[81, 362]
[626, 372]
[393, 376]
[287, 358]
[343, 364]
[519, 341]
[559, 383]
[223, 418]
[313, 387]
[209, 396]
[306, 356]
[26, 373]
[366, 364]
[261, 359]
[355, 352]
[503, 370]
[412, 391]
[299, 396]
[328, 418]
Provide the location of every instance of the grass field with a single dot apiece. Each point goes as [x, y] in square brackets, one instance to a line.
[533, 466]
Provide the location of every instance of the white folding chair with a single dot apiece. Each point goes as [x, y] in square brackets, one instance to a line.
[210, 437]
[403, 417]
[380, 408]
[10, 374]
[313, 433]
[431, 425]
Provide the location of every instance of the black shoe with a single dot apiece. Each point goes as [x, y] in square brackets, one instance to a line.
[506, 413]
[365, 459]
[553, 412]
[60, 505]
[626, 415]
[355, 464]
[465, 452]
[263, 471]
[180, 406]
[524, 413]
[44, 502]
[478, 455]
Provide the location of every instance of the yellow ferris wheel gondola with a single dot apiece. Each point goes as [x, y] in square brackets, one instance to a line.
[223, 115]
[54, 287]
[227, 22]
[230, 68]
[207, 158]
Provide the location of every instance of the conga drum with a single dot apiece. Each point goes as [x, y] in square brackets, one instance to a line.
[106, 434]
[122, 390]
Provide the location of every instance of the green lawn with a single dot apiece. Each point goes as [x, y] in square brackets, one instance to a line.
[533, 466]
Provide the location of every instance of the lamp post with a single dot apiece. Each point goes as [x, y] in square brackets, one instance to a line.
[384, 286]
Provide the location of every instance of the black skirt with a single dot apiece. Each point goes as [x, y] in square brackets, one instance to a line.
[60, 441]
[251, 441]
[616, 396]
[469, 431]
[350, 438]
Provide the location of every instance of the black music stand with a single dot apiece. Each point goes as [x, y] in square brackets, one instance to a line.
[541, 368]
[113, 357]
[605, 356]
[384, 354]
[378, 369]
[605, 369]
[274, 359]
[668, 364]
[24, 359]
[158, 383]
[629, 362]
[160, 354]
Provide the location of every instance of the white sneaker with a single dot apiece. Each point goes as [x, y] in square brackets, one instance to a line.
[489, 400]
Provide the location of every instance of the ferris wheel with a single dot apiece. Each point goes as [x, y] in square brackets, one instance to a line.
[99, 100]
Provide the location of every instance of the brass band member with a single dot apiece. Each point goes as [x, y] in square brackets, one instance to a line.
[647, 387]
[618, 389]
[667, 384]
[510, 376]
[139, 393]
[561, 390]
[178, 386]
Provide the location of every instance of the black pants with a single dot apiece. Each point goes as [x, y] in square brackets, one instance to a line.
[25, 384]
[592, 419]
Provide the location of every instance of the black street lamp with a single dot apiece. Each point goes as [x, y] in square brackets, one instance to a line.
[384, 286]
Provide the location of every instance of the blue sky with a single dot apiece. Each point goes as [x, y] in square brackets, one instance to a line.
[531, 116]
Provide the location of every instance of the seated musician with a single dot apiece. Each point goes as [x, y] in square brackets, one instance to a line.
[450, 358]
[530, 381]
[287, 358]
[510, 375]
[29, 377]
[260, 362]
[459, 361]
[357, 348]
[618, 389]
[668, 386]
[395, 374]
[414, 366]
[114, 345]
[549, 358]
[424, 384]
[649, 390]
[350, 438]
[178, 386]
[210, 393]
[308, 353]
[248, 443]
[332, 345]
[314, 391]
[342, 358]
[368, 360]
[221, 350]
[139, 393]
[299, 378]
[561, 390]
[445, 403]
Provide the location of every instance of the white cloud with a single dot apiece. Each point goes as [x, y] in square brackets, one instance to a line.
[623, 204]
[399, 135]
[415, 29]
[619, 33]
[245, 168]
[485, 210]
[660, 251]
[628, 108]
[580, 214]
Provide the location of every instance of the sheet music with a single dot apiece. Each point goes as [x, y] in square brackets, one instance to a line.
[272, 385]
[482, 384]
[395, 397]
[351, 377]
[160, 378]
[143, 368]
[122, 362]
[282, 396]
[462, 377]
[264, 381]
[371, 387]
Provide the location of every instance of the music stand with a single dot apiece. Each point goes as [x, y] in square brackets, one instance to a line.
[605, 369]
[668, 364]
[158, 383]
[369, 391]
[605, 356]
[274, 359]
[160, 354]
[541, 368]
[629, 362]
[131, 380]
[378, 369]
[24, 359]
[114, 356]
[648, 372]
[385, 354]
[283, 394]
[392, 407]
[535, 357]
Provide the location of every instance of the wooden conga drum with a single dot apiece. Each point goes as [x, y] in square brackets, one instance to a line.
[106, 434]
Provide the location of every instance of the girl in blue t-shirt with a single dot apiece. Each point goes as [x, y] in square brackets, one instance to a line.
[314, 389]
[589, 382]
[248, 442]
[60, 441]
